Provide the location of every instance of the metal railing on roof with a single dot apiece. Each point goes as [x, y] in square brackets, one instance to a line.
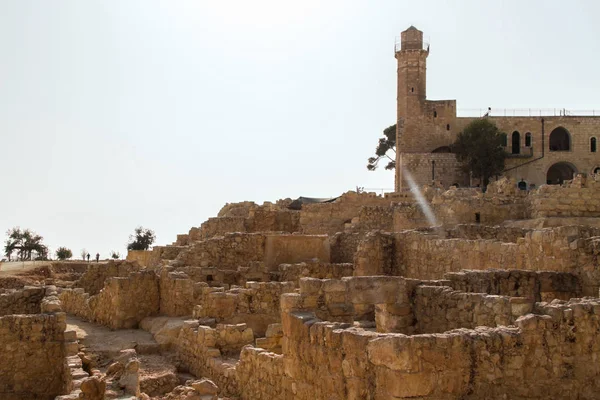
[398, 45]
[525, 112]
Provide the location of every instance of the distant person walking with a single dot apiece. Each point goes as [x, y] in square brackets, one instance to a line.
[88, 257]
[97, 257]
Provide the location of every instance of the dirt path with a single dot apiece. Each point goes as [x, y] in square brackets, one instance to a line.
[102, 346]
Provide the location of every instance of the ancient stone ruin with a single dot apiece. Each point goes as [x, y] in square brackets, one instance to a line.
[357, 298]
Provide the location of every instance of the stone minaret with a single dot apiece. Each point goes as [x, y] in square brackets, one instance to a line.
[412, 88]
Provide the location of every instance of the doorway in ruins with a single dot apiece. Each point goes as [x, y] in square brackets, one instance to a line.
[560, 172]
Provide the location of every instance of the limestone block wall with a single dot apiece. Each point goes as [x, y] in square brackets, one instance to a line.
[313, 269]
[534, 285]
[579, 198]
[374, 255]
[178, 293]
[257, 304]
[330, 218]
[93, 279]
[374, 217]
[226, 252]
[33, 362]
[242, 249]
[424, 256]
[262, 219]
[122, 303]
[260, 375]
[144, 258]
[343, 245]
[22, 301]
[480, 231]
[219, 226]
[200, 349]
[326, 360]
[291, 249]
[439, 309]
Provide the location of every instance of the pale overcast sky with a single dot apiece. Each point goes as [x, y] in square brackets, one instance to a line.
[115, 114]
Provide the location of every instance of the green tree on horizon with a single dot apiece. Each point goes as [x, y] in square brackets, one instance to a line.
[142, 239]
[480, 149]
[386, 144]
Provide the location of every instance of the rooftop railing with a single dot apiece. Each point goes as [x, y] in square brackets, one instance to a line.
[398, 45]
[526, 112]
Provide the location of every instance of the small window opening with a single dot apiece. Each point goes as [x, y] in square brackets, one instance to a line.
[209, 278]
[593, 145]
[435, 114]
[528, 139]
[478, 217]
[597, 170]
[412, 89]
[447, 127]
[504, 140]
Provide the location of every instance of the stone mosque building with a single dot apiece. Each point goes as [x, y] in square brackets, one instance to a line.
[544, 149]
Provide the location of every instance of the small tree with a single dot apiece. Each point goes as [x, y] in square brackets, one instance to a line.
[62, 253]
[386, 144]
[479, 148]
[115, 255]
[141, 240]
[25, 243]
[83, 254]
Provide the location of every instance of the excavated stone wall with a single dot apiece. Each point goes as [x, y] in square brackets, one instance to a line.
[93, 279]
[534, 285]
[256, 305]
[33, 364]
[577, 198]
[343, 245]
[558, 349]
[122, 303]
[22, 301]
[313, 269]
[260, 375]
[178, 293]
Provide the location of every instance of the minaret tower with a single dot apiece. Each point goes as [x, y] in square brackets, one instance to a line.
[412, 90]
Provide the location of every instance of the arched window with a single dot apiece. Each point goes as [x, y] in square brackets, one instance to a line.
[560, 172]
[593, 145]
[597, 170]
[447, 127]
[504, 140]
[516, 142]
[560, 140]
[528, 139]
[443, 149]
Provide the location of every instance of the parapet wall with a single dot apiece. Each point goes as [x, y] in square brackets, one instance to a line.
[33, 363]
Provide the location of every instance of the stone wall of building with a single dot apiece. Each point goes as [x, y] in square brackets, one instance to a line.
[257, 304]
[313, 269]
[178, 293]
[343, 245]
[557, 348]
[144, 258]
[534, 285]
[260, 375]
[439, 309]
[243, 249]
[33, 364]
[579, 198]
[95, 276]
[122, 303]
[201, 350]
[22, 301]
[330, 218]
[219, 226]
[374, 255]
